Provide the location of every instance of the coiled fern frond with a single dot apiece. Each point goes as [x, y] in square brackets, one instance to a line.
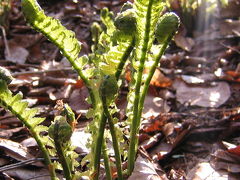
[147, 15]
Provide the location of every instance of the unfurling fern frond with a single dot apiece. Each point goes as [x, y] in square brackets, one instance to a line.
[147, 15]
[19, 108]
[166, 27]
[116, 42]
[52, 28]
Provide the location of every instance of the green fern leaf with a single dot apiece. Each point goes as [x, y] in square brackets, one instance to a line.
[53, 29]
[18, 107]
[147, 14]
[26, 115]
[107, 19]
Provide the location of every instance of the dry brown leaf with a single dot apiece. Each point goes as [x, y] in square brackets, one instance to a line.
[23, 174]
[80, 143]
[153, 106]
[158, 79]
[77, 100]
[16, 54]
[213, 96]
[9, 132]
[228, 27]
[15, 150]
[204, 171]
[144, 170]
[186, 43]
[231, 10]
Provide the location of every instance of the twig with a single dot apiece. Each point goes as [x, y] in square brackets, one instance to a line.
[20, 164]
[40, 72]
[5, 40]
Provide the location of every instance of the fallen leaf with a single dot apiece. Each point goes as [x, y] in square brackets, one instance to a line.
[204, 171]
[153, 106]
[144, 170]
[79, 140]
[9, 132]
[15, 150]
[5, 176]
[213, 96]
[186, 43]
[158, 79]
[227, 162]
[192, 79]
[16, 54]
[231, 10]
[77, 100]
[235, 150]
[153, 124]
[228, 27]
[29, 142]
[149, 143]
[198, 79]
[36, 174]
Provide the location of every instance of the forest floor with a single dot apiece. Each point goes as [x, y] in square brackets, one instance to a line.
[191, 119]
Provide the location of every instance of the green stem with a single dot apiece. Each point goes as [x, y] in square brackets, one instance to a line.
[36, 136]
[98, 145]
[66, 169]
[114, 139]
[97, 150]
[45, 153]
[134, 125]
[106, 161]
[148, 80]
[124, 59]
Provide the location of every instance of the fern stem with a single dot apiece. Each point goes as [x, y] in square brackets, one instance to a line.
[106, 161]
[36, 136]
[45, 153]
[62, 159]
[103, 118]
[124, 59]
[149, 77]
[98, 145]
[61, 154]
[114, 139]
[135, 121]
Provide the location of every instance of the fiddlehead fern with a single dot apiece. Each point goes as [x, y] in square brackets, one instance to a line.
[60, 131]
[19, 108]
[52, 28]
[63, 38]
[146, 23]
[132, 30]
[147, 14]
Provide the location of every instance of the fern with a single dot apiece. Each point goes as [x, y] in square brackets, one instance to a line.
[26, 115]
[64, 39]
[130, 34]
[148, 16]
[60, 131]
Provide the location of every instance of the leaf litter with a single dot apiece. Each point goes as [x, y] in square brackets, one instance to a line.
[192, 104]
